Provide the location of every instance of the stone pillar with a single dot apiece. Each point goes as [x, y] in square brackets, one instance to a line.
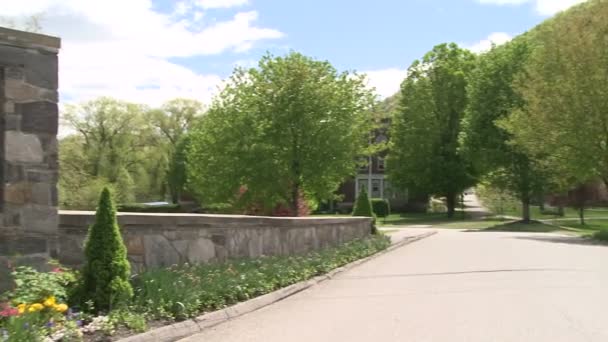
[28, 144]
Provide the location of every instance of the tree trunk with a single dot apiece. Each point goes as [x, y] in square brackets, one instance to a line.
[581, 214]
[525, 209]
[560, 210]
[295, 200]
[451, 204]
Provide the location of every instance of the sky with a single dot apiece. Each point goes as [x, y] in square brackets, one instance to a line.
[150, 51]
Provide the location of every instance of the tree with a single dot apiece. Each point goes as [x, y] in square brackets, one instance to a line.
[172, 122]
[492, 97]
[289, 128]
[105, 275]
[111, 145]
[363, 206]
[565, 87]
[176, 173]
[425, 154]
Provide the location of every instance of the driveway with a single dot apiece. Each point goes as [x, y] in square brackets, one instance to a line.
[454, 286]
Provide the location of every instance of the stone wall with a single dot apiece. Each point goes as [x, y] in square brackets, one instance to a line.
[156, 240]
[28, 130]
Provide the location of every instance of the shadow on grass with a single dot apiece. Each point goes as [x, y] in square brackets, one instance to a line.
[571, 240]
[423, 218]
[519, 226]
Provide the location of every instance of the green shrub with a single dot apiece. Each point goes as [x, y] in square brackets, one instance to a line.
[32, 286]
[602, 235]
[381, 207]
[105, 276]
[363, 206]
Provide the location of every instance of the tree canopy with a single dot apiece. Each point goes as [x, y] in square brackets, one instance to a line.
[425, 154]
[289, 128]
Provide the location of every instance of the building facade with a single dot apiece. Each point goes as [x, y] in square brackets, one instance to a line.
[371, 176]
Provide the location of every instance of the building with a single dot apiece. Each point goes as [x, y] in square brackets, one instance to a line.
[371, 176]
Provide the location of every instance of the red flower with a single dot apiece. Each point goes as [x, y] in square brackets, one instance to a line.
[8, 312]
[57, 270]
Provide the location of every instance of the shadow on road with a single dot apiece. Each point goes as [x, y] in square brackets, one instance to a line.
[572, 240]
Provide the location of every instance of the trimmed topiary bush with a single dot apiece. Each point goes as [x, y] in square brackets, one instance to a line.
[381, 207]
[363, 207]
[105, 276]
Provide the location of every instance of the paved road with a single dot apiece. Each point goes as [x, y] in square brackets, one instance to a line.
[452, 287]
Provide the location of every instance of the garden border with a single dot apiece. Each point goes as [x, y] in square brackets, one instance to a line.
[196, 325]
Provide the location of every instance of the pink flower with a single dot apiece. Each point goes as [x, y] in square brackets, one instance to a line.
[57, 270]
[8, 312]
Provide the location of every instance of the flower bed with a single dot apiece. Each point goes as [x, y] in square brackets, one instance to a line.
[37, 309]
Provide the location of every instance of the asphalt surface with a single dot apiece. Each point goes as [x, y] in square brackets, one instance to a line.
[454, 286]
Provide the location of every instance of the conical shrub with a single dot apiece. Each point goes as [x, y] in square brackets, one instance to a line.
[105, 276]
[363, 207]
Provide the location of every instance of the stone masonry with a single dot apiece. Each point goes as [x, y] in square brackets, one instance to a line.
[28, 140]
[157, 240]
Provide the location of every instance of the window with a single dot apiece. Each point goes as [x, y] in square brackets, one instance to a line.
[376, 185]
[381, 163]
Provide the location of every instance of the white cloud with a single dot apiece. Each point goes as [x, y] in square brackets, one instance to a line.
[220, 3]
[123, 48]
[543, 7]
[496, 38]
[386, 81]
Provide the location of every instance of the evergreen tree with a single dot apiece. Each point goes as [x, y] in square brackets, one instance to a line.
[106, 272]
[363, 207]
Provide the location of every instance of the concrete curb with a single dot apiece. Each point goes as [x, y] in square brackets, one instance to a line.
[193, 326]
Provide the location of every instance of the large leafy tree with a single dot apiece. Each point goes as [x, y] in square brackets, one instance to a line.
[289, 129]
[565, 87]
[492, 98]
[425, 154]
[110, 145]
[171, 122]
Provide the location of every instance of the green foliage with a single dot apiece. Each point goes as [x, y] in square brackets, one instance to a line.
[425, 154]
[105, 276]
[381, 207]
[493, 98]
[564, 86]
[176, 173]
[129, 319]
[28, 327]
[363, 206]
[124, 146]
[142, 208]
[292, 126]
[186, 291]
[32, 286]
[497, 200]
[602, 235]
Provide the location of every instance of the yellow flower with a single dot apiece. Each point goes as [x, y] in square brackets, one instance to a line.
[35, 307]
[50, 302]
[61, 308]
[21, 308]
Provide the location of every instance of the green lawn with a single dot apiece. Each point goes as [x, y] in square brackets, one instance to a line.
[568, 213]
[419, 219]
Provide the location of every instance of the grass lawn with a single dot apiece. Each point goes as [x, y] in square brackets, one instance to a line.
[568, 213]
[418, 219]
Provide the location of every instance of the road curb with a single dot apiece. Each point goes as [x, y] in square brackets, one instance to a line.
[196, 325]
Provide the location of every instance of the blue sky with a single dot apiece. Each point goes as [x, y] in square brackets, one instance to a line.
[152, 50]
